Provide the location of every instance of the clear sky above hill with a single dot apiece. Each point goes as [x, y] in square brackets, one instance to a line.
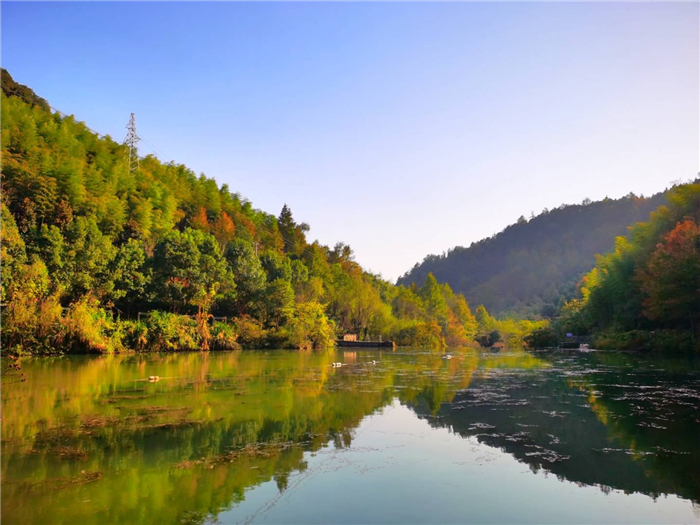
[400, 129]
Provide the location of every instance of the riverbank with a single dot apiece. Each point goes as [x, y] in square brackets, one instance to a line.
[32, 327]
[663, 341]
[666, 341]
[85, 328]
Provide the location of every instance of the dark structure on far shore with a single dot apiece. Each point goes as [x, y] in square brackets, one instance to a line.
[365, 344]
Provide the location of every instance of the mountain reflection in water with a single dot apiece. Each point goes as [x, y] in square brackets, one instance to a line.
[283, 436]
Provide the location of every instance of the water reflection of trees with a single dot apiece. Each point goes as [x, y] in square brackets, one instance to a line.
[100, 415]
[180, 449]
[598, 427]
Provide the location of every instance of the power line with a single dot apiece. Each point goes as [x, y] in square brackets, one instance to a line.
[156, 150]
[63, 115]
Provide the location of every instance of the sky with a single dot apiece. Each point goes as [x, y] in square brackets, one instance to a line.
[401, 129]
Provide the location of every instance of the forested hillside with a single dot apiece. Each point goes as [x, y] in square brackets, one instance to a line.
[532, 267]
[646, 292]
[88, 245]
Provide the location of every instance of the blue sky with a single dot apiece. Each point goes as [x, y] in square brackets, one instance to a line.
[401, 129]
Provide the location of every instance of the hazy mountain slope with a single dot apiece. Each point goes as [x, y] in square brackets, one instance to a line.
[531, 266]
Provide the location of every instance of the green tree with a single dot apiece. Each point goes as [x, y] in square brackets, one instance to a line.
[484, 319]
[87, 260]
[12, 252]
[249, 275]
[434, 299]
[293, 234]
[310, 328]
[187, 266]
[130, 274]
[277, 302]
[276, 266]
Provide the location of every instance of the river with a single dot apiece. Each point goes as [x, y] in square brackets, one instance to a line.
[390, 437]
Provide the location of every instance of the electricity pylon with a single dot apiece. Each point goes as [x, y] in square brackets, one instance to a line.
[131, 141]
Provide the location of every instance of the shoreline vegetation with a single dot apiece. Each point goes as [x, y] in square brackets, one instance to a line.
[98, 257]
[645, 294]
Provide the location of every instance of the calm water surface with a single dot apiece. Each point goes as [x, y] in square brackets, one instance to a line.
[282, 437]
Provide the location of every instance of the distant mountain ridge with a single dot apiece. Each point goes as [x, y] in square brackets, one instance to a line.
[532, 266]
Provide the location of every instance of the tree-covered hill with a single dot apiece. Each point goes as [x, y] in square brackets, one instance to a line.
[12, 89]
[533, 266]
[646, 292]
[88, 245]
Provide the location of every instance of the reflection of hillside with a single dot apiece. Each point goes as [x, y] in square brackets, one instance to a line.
[656, 423]
[192, 444]
[587, 431]
[135, 432]
[99, 415]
